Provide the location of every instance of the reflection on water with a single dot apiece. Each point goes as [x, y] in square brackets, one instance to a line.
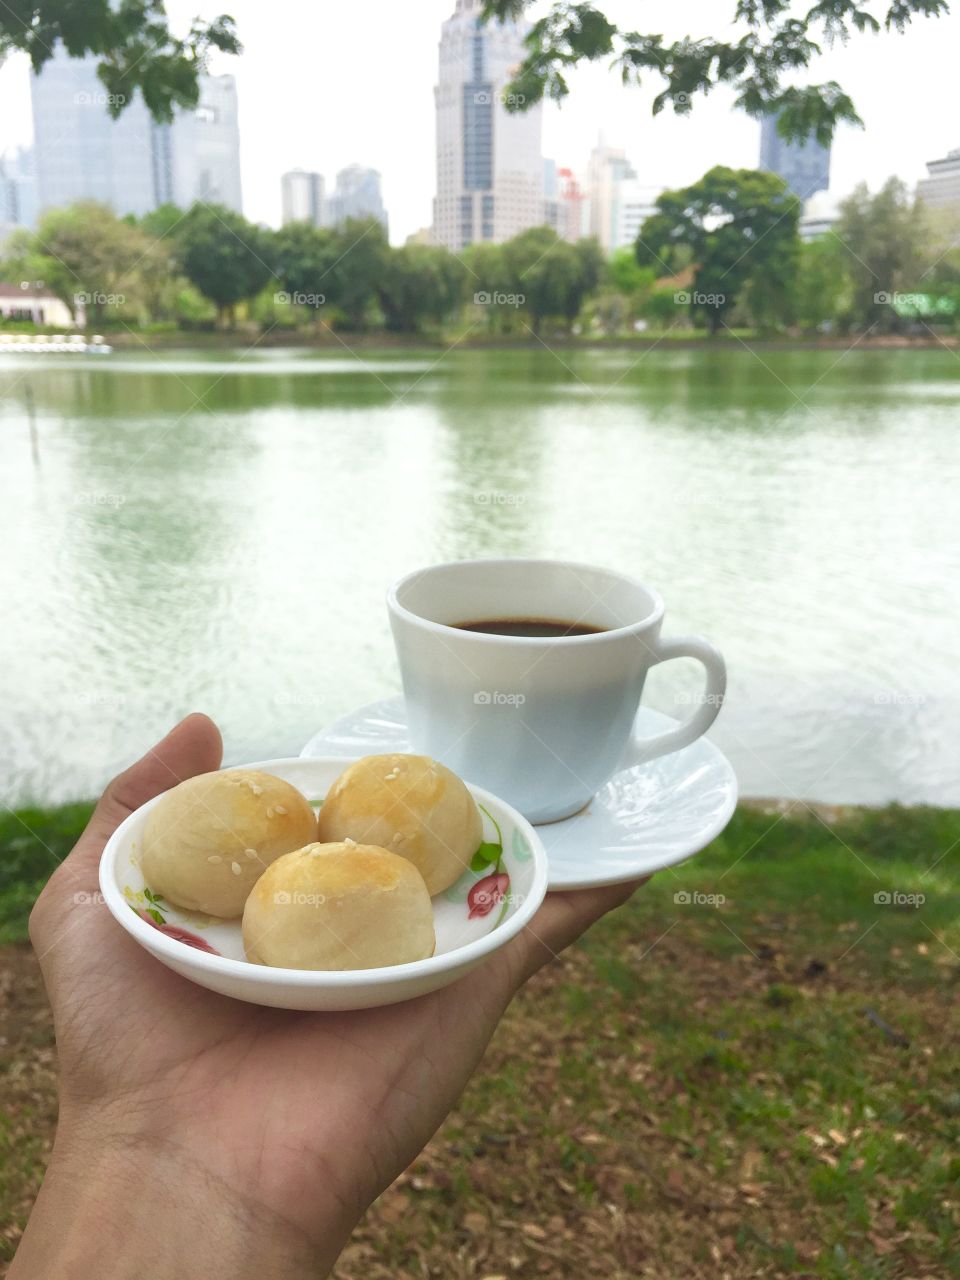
[217, 532]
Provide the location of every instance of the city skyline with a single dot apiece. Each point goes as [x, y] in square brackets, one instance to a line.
[131, 164]
[490, 163]
[901, 84]
[356, 193]
[302, 193]
[942, 185]
[804, 164]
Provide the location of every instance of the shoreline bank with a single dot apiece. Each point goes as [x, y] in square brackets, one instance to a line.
[245, 340]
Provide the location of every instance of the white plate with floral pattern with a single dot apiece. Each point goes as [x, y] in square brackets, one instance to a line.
[645, 818]
[490, 903]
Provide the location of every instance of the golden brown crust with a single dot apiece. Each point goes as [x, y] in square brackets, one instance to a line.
[338, 868]
[339, 906]
[408, 804]
[208, 840]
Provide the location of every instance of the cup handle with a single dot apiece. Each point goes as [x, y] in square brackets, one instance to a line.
[640, 750]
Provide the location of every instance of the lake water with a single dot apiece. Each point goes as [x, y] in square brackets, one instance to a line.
[217, 532]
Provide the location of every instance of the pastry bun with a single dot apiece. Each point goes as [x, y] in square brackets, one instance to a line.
[410, 805]
[338, 906]
[208, 840]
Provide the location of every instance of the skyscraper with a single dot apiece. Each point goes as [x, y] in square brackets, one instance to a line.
[489, 159]
[132, 163]
[79, 152]
[804, 166]
[619, 202]
[819, 217]
[205, 144]
[942, 187]
[18, 195]
[301, 195]
[356, 195]
[564, 202]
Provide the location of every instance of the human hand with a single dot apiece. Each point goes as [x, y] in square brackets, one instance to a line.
[203, 1135]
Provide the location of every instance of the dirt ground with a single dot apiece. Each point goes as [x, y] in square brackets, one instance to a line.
[696, 1114]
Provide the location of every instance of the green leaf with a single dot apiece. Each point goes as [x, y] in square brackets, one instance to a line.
[155, 915]
[487, 854]
[521, 849]
[496, 824]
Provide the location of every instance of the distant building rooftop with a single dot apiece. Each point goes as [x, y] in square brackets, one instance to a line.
[942, 187]
[18, 291]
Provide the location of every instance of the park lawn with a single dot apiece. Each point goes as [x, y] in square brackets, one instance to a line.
[33, 842]
[751, 1070]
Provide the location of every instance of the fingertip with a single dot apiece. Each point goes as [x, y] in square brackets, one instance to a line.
[192, 746]
[203, 730]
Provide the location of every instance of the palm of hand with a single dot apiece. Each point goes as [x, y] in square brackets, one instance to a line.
[289, 1111]
[259, 1096]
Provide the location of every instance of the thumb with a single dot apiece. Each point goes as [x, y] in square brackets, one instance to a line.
[191, 747]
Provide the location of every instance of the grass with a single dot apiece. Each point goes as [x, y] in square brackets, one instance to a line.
[33, 842]
[749, 1071]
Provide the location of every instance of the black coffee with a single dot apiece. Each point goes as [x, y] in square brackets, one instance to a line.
[539, 628]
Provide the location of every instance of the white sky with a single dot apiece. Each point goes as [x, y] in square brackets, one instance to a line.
[323, 84]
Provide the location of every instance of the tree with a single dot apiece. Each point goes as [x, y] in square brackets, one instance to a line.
[740, 226]
[550, 277]
[610, 310]
[488, 284]
[87, 256]
[420, 283]
[884, 236]
[941, 277]
[361, 252]
[161, 223]
[628, 281]
[132, 39]
[226, 257]
[304, 258]
[769, 43]
[23, 261]
[167, 293]
[590, 265]
[537, 267]
[769, 294]
[626, 275]
[660, 308]
[822, 294]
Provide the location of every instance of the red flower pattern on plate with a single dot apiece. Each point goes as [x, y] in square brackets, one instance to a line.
[177, 932]
[486, 893]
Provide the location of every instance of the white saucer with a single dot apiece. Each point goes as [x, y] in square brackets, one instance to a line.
[645, 818]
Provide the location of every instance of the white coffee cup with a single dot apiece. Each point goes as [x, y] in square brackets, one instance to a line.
[541, 722]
